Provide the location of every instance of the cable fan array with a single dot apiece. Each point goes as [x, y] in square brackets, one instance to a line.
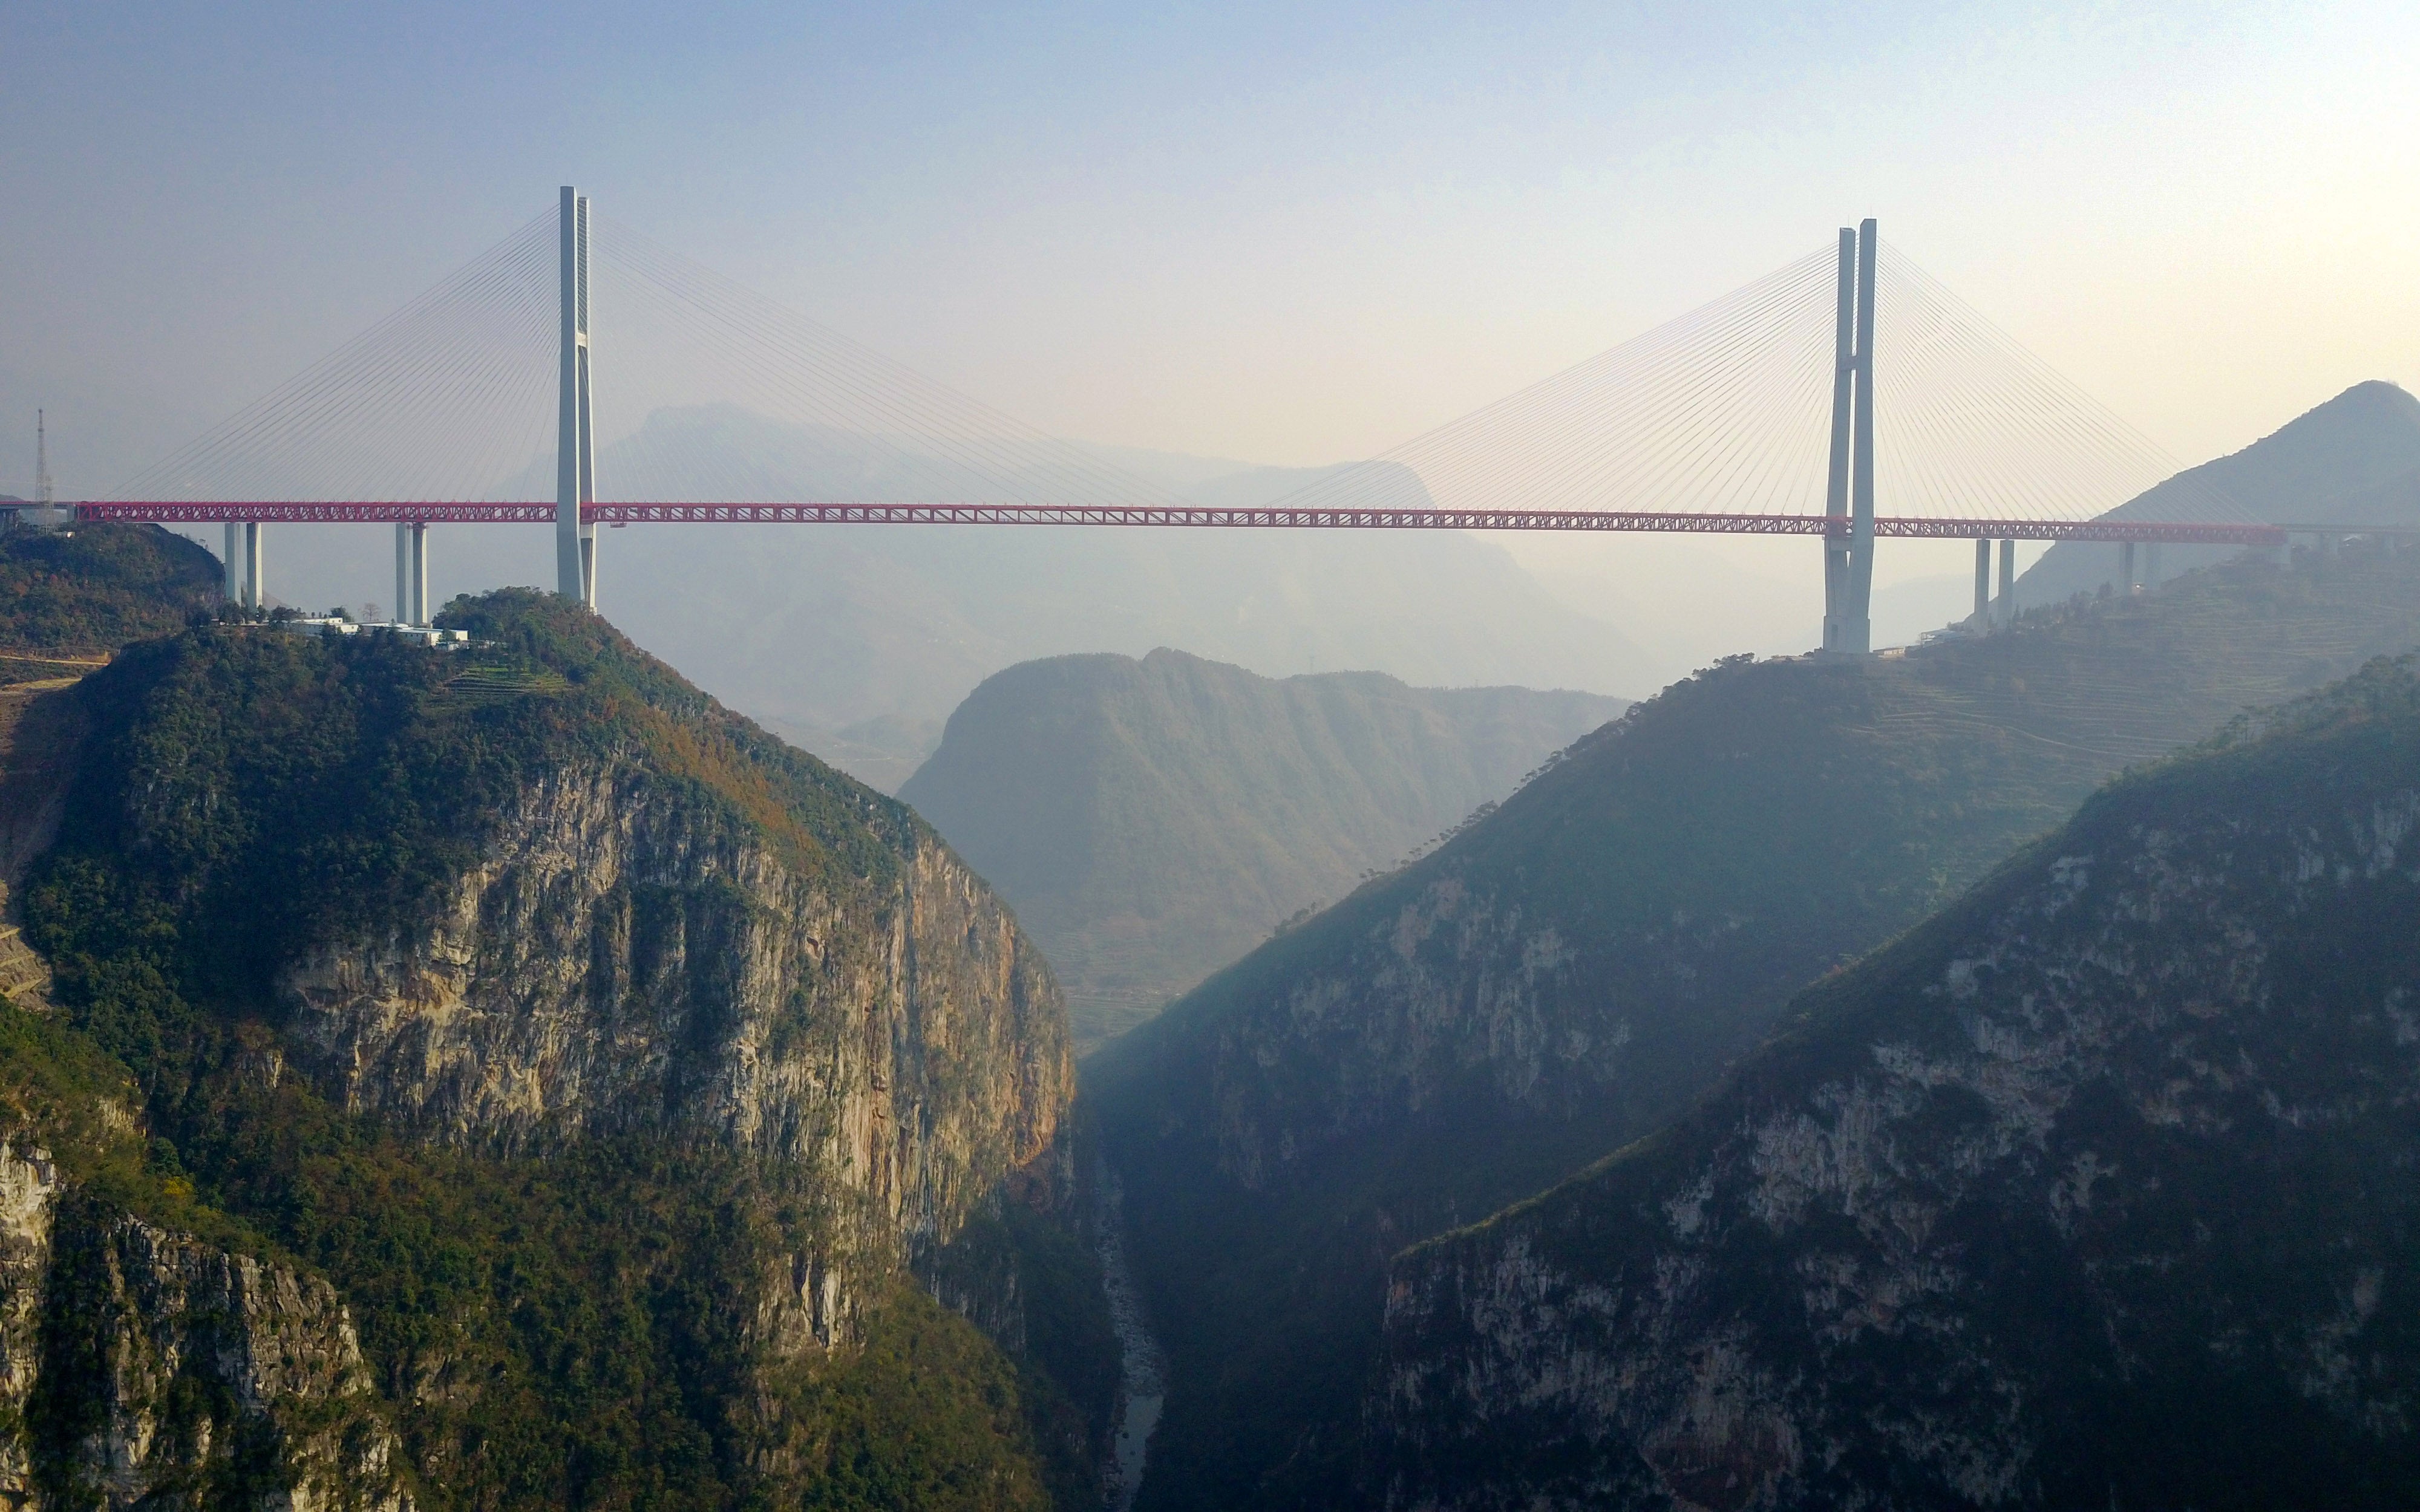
[714, 393]
[1727, 410]
[443, 400]
[708, 392]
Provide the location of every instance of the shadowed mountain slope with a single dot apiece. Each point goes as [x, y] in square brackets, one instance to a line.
[2339, 461]
[2095, 1190]
[1574, 970]
[1152, 820]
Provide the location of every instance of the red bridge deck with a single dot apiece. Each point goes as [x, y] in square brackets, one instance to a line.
[1275, 518]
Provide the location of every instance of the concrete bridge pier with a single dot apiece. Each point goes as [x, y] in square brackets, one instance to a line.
[242, 563]
[1982, 585]
[2126, 578]
[411, 572]
[2008, 614]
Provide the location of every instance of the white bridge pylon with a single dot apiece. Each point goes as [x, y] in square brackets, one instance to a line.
[575, 447]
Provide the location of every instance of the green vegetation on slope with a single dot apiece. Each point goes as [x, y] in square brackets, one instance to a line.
[577, 1330]
[1150, 821]
[2094, 1190]
[1576, 968]
[86, 592]
[546, 1333]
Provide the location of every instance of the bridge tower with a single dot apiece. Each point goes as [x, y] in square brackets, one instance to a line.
[575, 461]
[1849, 558]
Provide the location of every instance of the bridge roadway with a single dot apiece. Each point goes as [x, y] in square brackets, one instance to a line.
[1277, 518]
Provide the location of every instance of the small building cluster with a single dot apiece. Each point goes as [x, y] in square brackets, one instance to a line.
[426, 635]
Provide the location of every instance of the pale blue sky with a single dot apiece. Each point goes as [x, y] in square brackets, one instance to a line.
[1274, 232]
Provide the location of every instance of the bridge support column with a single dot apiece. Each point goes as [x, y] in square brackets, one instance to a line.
[2007, 582]
[233, 561]
[255, 588]
[419, 572]
[575, 463]
[402, 573]
[1982, 585]
[2126, 567]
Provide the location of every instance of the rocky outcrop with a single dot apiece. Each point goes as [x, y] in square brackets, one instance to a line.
[143, 1367]
[28, 1182]
[2096, 1191]
[625, 960]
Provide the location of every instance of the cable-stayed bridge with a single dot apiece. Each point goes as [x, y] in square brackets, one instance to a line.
[1847, 396]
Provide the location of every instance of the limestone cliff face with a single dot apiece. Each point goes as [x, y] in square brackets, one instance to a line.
[2094, 1191]
[1575, 969]
[624, 960]
[28, 1182]
[143, 1367]
[610, 1061]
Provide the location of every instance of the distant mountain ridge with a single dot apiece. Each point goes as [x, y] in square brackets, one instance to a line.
[1151, 819]
[2355, 458]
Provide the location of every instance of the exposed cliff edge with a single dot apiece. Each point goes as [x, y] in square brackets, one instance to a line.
[2094, 1191]
[617, 962]
[1575, 969]
[143, 1365]
[612, 1061]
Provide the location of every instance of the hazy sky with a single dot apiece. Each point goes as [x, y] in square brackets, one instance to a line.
[1275, 232]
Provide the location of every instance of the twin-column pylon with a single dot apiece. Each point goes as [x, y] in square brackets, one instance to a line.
[1849, 558]
[575, 458]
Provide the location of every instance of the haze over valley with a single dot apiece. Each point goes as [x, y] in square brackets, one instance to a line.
[1352, 759]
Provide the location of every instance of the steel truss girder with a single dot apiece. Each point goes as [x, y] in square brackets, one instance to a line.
[1275, 518]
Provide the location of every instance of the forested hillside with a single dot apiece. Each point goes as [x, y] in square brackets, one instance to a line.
[504, 1078]
[1572, 972]
[85, 592]
[1152, 820]
[2093, 1191]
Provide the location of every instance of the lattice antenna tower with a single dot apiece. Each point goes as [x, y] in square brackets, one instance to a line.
[43, 491]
